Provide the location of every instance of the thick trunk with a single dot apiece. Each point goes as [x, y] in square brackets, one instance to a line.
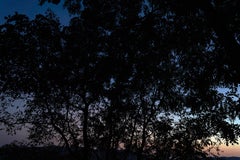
[132, 134]
[85, 133]
[143, 138]
[110, 129]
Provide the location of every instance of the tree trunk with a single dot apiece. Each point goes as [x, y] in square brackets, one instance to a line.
[85, 133]
[143, 139]
[132, 134]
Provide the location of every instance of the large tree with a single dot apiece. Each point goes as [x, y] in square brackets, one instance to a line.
[142, 73]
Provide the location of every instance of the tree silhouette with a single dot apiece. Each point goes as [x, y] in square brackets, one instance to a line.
[141, 73]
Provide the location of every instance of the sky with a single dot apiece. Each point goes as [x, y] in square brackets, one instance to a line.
[31, 8]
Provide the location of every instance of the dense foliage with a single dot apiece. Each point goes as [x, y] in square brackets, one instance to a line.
[142, 73]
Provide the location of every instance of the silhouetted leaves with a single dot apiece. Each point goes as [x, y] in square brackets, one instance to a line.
[146, 74]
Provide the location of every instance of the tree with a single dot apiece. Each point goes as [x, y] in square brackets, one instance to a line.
[143, 73]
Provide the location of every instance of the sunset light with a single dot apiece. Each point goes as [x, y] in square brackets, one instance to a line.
[119, 80]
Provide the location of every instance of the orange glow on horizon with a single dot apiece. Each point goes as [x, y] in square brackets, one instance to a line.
[230, 151]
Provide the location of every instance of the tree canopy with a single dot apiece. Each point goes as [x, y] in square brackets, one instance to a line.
[143, 73]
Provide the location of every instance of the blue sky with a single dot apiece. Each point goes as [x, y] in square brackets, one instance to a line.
[31, 8]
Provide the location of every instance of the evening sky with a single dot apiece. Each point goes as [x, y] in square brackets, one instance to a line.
[32, 8]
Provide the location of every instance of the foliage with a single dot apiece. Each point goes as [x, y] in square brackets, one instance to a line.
[141, 73]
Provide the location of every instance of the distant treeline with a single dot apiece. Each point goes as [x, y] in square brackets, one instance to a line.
[15, 152]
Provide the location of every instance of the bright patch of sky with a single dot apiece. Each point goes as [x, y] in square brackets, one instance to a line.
[234, 93]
